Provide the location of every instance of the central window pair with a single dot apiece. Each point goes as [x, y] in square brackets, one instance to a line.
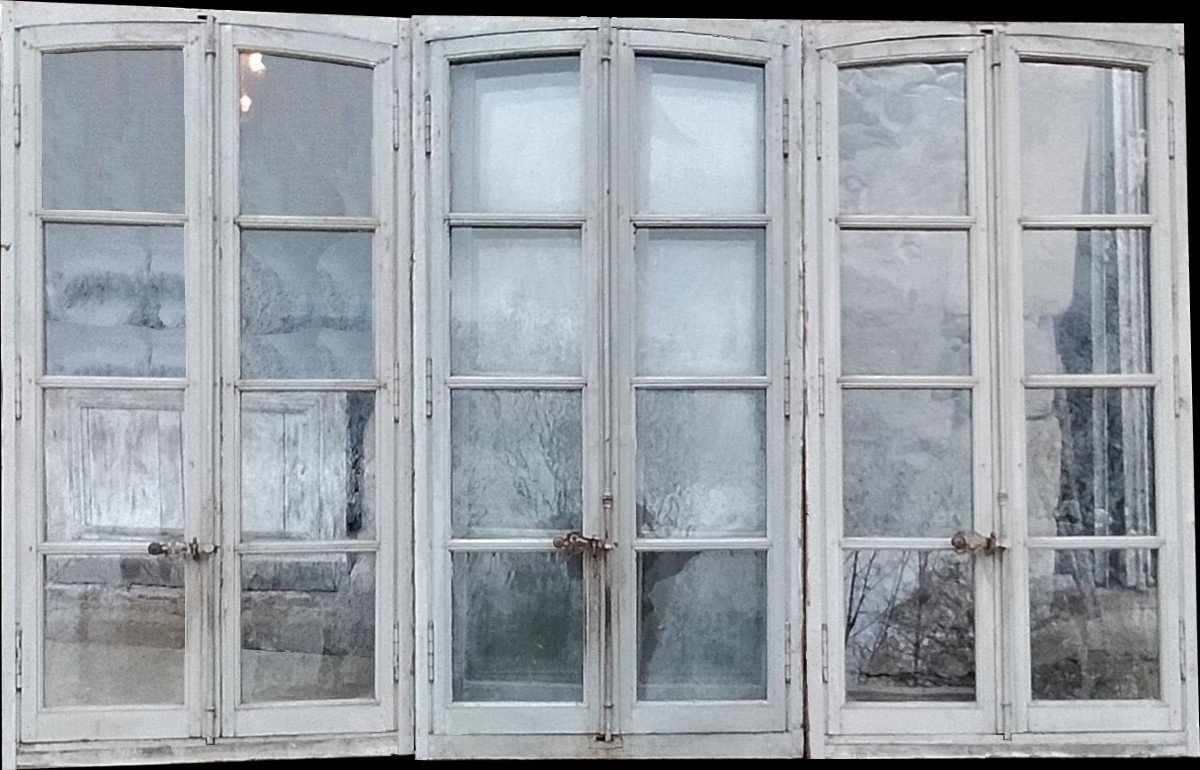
[606, 358]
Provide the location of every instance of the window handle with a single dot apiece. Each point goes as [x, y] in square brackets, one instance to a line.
[179, 548]
[575, 544]
[974, 543]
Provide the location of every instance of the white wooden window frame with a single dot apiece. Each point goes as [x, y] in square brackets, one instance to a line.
[1023, 726]
[806, 481]
[446, 729]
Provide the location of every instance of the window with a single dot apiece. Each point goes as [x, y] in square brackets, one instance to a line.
[591, 387]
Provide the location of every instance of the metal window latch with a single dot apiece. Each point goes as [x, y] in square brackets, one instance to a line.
[576, 544]
[179, 549]
[973, 543]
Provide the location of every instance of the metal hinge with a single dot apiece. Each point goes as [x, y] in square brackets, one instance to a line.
[1175, 385]
[824, 652]
[787, 134]
[992, 43]
[19, 666]
[428, 110]
[395, 652]
[395, 120]
[18, 388]
[1006, 719]
[820, 131]
[428, 387]
[210, 737]
[1183, 651]
[606, 40]
[429, 651]
[1171, 128]
[787, 652]
[821, 386]
[210, 35]
[16, 114]
[395, 391]
[787, 387]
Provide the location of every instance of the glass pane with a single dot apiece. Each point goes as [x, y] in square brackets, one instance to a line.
[1094, 621]
[701, 463]
[114, 631]
[308, 627]
[907, 462]
[902, 139]
[699, 137]
[910, 626]
[1087, 301]
[113, 465]
[702, 633]
[305, 136]
[516, 136]
[1090, 461]
[308, 465]
[516, 459]
[306, 305]
[112, 131]
[701, 302]
[1083, 139]
[518, 627]
[115, 301]
[516, 301]
[906, 305]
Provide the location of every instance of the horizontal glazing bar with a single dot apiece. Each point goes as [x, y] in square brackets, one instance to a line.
[897, 543]
[904, 222]
[705, 220]
[702, 544]
[524, 383]
[332, 703]
[571, 221]
[935, 382]
[113, 217]
[504, 544]
[271, 222]
[113, 383]
[101, 547]
[754, 381]
[1090, 380]
[1086, 221]
[1087, 542]
[307, 546]
[307, 385]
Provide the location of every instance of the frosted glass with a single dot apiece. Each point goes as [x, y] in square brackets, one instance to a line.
[518, 627]
[516, 301]
[308, 627]
[516, 136]
[905, 303]
[112, 131]
[1083, 139]
[702, 633]
[907, 462]
[306, 305]
[902, 139]
[305, 136]
[698, 137]
[308, 465]
[516, 460]
[701, 463]
[114, 300]
[701, 302]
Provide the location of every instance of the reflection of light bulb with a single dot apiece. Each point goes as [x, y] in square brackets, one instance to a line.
[245, 101]
[255, 63]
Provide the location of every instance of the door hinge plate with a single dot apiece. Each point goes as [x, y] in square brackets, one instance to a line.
[428, 118]
[429, 651]
[428, 388]
[1171, 129]
[395, 391]
[18, 389]
[395, 652]
[787, 387]
[20, 661]
[1183, 650]
[395, 120]
[16, 114]
[787, 133]
[787, 652]
[820, 130]
[821, 387]
[824, 652]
